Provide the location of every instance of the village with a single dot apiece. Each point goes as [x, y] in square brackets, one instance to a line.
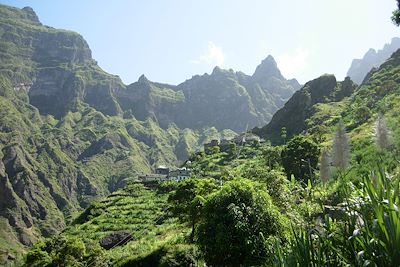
[164, 173]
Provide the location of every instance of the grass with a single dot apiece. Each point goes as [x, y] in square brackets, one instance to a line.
[137, 209]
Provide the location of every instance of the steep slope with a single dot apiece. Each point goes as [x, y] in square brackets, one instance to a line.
[301, 106]
[50, 169]
[316, 113]
[372, 59]
[223, 99]
[63, 139]
[261, 162]
[55, 67]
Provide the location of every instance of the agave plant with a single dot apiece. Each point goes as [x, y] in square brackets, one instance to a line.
[381, 231]
[367, 235]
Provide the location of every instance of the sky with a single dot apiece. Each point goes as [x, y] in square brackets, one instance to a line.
[172, 40]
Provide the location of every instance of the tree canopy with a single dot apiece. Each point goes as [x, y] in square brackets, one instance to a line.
[240, 225]
[300, 158]
[396, 14]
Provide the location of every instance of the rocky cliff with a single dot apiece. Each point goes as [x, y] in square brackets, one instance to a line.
[224, 99]
[372, 59]
[301, 106]
[66, 137]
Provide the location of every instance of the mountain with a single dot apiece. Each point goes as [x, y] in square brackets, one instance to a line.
[56, 69]
[162, 238]
[372, 59]
[223, 99]
[59, 74]
[322, 102]
[71, 133]
[294, 114]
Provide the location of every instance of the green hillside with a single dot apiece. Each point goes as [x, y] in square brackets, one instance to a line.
[311, 210]
[64, 139]
[321, 188]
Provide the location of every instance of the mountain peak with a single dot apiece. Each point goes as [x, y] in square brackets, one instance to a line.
[216, 70]
[267, 68]
[372, 59]
[370, 52]
[269, 60]
[143, 79]
[31, 15]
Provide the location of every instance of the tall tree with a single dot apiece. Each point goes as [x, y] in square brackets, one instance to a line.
[341, 148]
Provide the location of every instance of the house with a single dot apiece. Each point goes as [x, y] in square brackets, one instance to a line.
[162, 170]
[152, 177]
[179, 174]
[246, 138]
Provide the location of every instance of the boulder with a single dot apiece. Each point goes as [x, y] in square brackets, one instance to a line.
[115, 239]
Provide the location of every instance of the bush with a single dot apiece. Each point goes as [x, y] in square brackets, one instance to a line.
[239, 226]
[65, 251]
[300, 158]
[275, 181]
[179, 255]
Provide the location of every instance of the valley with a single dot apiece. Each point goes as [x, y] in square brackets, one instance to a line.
[223, 169]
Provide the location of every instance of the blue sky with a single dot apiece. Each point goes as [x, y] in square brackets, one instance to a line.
[171, 40]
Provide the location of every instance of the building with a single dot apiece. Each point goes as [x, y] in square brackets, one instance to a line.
[246, 138]
[179, 174]
[162, 170]
[152, 177]
[161, 175]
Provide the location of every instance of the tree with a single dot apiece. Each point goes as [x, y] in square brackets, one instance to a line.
[382, 134]
[362, 114]
[300, 158]
[239, 226]
[65, 251]
[188, 199]
[396, 14]
[272, 155]
[324, 166]
[274, 180]
[341, 148]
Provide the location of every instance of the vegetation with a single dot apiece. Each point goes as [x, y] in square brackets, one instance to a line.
[396, 14]
[340, 148]
[256, 204]
[188, 199]
[70, 161]
[240, 226]
[300, 158]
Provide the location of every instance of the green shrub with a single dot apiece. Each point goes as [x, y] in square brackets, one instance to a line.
[300, 158]
[239, 226]
[65, 251]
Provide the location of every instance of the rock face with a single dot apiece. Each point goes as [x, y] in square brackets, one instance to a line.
[70, 132]
[224, 99]
[59, 67]
[115, 239]
[294, 113]
[62, 75]
[372, 59]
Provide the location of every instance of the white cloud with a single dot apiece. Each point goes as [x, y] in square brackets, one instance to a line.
[292, 64]
[213, 56]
